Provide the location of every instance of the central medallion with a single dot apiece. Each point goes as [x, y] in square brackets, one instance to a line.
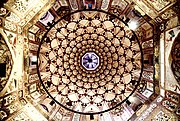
[90, 61]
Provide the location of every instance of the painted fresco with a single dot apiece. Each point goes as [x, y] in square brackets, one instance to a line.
[159, 4]
[170, 83]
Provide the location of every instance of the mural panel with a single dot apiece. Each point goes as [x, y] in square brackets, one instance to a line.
[5, 63]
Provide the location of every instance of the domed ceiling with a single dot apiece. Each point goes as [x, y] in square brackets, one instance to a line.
[89, 60]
